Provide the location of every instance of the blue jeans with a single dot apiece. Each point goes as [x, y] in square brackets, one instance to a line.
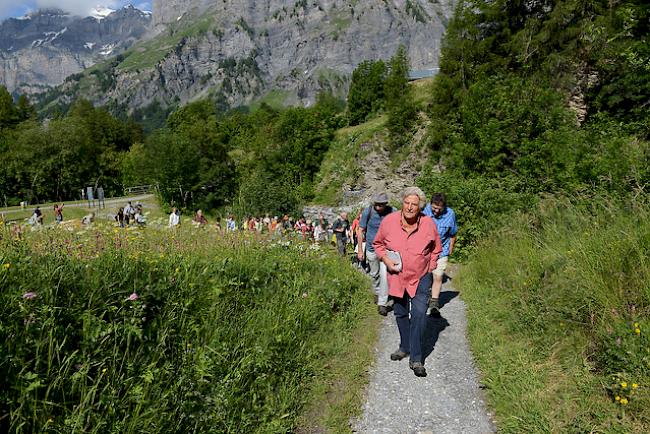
[411, 330]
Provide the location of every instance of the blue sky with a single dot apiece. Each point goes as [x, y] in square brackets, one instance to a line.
[17, 8]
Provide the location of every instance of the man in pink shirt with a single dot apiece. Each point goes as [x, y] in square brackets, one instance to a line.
[414, 237]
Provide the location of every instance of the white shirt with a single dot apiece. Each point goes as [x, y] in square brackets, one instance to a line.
[174, 219]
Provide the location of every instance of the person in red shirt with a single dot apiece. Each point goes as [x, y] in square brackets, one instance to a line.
[409, 244]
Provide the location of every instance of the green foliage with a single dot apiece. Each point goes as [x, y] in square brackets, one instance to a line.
[366, 94]
[481, 204]
[400, 106]
[166, 332]
[189, 161]
[55, 161]
[558, 306]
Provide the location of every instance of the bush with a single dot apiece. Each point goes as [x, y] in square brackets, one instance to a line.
[481, 204]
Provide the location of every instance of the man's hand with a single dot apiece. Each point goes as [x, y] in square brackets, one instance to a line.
[360, 253]
[392, 267]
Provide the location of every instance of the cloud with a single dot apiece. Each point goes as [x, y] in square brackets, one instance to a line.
[77, 7]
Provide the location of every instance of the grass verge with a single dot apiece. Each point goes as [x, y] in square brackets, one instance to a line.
[126, 330]
[558, 305]
[339, 394]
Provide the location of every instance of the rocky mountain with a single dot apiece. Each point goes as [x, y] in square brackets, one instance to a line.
[240, 51]
[41, 49]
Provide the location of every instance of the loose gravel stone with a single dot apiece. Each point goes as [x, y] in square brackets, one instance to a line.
[447, 400]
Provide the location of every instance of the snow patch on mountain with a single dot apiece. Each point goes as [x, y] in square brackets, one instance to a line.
[100, 12]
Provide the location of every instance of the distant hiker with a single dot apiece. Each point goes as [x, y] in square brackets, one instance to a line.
[174, 218]
[341, 227]
[231, 225]
[199, 219]
[129, 213]
[408, 244]
[445, 220]
[354, 231]
[369, 223]
[119, 217]
[139, 216]
[88, 219]
[37, 217]
[58, 213]
[217, 224]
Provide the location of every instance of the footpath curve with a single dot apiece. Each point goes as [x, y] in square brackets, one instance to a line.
[447, 400]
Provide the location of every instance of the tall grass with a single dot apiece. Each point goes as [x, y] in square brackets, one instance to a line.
[558, 317]
[111, 330]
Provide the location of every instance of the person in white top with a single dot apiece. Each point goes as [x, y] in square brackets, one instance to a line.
[174, 218]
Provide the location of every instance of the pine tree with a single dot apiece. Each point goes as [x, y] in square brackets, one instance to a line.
[399, 99]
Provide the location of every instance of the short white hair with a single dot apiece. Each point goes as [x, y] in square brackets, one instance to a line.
[414, 191]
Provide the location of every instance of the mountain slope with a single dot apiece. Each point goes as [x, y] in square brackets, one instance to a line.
[43, 48]
[236, 51]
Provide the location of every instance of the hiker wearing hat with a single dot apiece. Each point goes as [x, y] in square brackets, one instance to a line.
[367, 230]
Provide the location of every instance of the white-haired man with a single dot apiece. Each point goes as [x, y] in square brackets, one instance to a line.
[408, 243]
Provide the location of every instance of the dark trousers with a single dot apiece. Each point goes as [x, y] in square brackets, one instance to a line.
[411, 330]
[340, 245]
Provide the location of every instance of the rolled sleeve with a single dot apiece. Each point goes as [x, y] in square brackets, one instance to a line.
[379, 244]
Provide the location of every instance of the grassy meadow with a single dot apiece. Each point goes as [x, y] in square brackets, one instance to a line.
[142, 330]
[558, 317]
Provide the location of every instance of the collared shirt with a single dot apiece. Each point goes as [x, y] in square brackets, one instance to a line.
[419, 250]
[370, 221]
[446, 225]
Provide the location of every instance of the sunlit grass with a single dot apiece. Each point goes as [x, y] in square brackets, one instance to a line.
[559, 302]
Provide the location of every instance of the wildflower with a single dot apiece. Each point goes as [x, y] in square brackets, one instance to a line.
[6, 266]
[133, 297]
[635, 386]
[636, 325]
[624, 385]
[50, 419]
[104, 370]
[623, 401]
[29, 295]
[178, 270]
[618, 398]
[637, 331]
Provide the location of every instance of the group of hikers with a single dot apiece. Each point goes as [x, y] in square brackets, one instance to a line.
[407, 252]
[303, 228]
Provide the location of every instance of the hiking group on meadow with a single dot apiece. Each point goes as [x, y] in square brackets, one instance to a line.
[404, 251]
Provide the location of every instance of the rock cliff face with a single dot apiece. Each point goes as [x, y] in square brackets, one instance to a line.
[42, 49]
[280, 51]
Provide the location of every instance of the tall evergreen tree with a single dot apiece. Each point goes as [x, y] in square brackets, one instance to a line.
[399, 99]
[366, 94]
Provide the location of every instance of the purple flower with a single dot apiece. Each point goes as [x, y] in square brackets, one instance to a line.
[133, 297]
[29, 295]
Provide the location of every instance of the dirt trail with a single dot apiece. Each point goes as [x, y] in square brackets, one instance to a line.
[448, 400]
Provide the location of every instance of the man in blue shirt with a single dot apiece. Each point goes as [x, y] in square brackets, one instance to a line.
[369, 224]
[445, 220]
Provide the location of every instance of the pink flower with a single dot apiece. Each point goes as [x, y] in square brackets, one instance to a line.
[133, 297]
[29, 295]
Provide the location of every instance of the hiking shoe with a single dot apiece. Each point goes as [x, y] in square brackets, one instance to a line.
[382, 310]
[433, 309]
[398, 355]
[418, 369]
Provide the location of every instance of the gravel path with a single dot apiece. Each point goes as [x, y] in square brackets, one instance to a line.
[448, 400]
